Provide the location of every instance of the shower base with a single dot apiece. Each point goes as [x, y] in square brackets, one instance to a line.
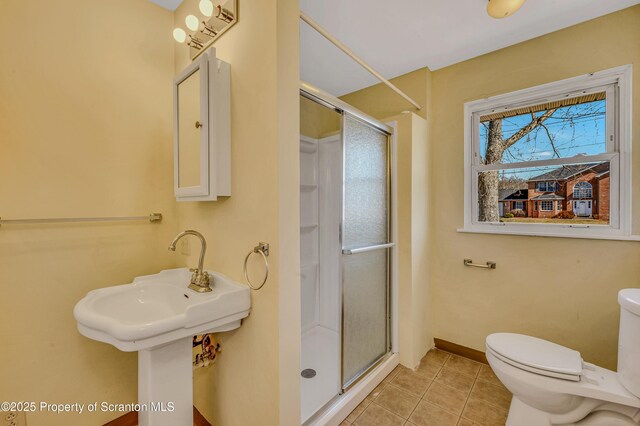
[320, 352]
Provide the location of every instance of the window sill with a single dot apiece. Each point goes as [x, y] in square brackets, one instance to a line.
[494, 231]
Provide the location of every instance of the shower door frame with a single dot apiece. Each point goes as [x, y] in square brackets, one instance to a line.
[314, 94]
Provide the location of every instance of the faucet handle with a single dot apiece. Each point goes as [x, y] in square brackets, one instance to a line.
[200, 280]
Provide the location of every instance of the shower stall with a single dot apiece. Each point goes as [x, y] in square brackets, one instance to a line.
[346, 248]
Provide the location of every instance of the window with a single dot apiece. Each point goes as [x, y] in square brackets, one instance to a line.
[548, 186]
[540, 138]
[583, 190]
[518, 205]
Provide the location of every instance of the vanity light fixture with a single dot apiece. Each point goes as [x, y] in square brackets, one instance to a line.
[206, 29]
[216, 19]
[502, 8]
[224, 14]
[179, 35]
[192, 22]
[195, 42]
[206, 7]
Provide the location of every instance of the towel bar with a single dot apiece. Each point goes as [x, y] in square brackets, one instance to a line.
[489, 265]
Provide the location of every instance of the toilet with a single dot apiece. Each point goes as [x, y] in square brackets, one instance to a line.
[552, 385]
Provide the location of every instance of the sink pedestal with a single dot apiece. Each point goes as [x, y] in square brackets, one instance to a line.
[157, 316]
[165, 384]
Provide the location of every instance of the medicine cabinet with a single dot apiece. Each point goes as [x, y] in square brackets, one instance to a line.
[202, 134]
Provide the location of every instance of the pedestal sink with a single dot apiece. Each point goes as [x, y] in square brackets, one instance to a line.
[157, 315]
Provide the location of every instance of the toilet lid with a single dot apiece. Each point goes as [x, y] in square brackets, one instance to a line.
[629, 299]
[536, 355]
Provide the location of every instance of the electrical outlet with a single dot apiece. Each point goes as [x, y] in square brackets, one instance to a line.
[14, 418]
[185, 248]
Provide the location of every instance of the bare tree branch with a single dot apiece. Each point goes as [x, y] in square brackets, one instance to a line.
[551, 141]
[535, 122]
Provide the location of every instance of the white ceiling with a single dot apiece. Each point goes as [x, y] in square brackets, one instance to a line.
[167, 4]
[396, 37]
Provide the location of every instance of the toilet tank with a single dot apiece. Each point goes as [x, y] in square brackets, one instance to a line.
[629, 340]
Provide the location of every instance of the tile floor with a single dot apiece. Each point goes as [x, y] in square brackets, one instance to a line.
[445, 390]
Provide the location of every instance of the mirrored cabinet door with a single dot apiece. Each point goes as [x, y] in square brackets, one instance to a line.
[192, 129]
[202, 151]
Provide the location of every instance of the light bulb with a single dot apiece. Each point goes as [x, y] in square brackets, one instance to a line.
[503, 8]
[206, 7]
[192, 22]
[179, 35]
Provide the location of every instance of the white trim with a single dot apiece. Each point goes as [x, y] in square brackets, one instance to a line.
[529, 233]
[620, 161]
[581, 187]
[578, 159]
[542, 203]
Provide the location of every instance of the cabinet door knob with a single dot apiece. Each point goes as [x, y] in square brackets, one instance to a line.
[198, 124]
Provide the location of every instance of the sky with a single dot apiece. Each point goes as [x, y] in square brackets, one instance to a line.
[578, 129]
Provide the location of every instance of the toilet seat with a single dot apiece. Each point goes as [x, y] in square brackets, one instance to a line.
[536, 355]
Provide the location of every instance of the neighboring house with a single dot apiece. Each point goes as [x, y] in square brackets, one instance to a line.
[513, 199]
[582, 189]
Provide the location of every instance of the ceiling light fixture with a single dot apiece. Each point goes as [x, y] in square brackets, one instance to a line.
[503, 8]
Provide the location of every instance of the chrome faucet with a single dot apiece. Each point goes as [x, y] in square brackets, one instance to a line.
[200, 279]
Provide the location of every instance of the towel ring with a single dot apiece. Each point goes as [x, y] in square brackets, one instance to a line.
[263, 249]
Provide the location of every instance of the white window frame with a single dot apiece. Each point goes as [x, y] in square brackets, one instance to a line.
[582, 189]
[518, 203]
[547, 184]
[546, 202]
[618, 130]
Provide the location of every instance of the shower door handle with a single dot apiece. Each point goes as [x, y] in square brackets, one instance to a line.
[368, 248]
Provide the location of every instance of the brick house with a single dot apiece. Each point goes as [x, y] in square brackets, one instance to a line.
[582, 189]
[513, 199]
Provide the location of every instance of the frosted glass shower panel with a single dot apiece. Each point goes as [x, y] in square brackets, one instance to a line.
[366, 185]
[365, 312]
[365, 224]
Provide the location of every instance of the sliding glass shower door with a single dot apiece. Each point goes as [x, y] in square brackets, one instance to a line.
[345, 248]
[365, 247]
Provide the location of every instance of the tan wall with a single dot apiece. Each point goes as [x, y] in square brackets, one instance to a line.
[574, 301]
[85, 130]
[243, 386]
[380, 101]
[317, 120]
[86, 124]
[414, 332]
[559, 289]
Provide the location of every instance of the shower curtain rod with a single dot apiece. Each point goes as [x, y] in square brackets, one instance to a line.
[313, 24]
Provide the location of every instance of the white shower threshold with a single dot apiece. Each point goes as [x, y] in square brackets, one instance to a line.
[341, 406]
[320, 352]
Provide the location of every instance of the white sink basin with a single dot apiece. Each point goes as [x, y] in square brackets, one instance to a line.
[158, 309]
